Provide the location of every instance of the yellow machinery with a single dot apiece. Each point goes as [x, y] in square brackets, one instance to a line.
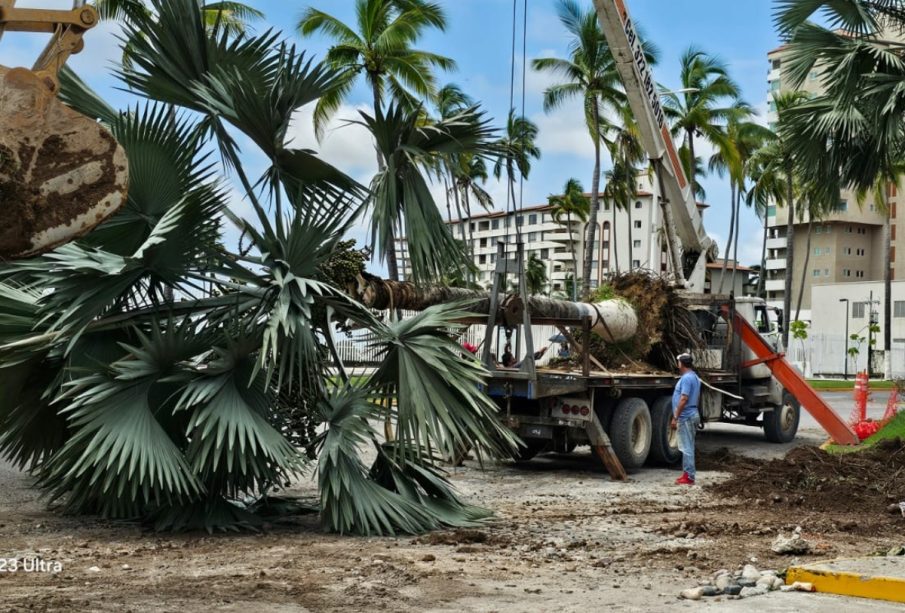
[61, 173]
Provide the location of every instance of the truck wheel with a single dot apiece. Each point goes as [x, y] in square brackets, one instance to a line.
[533, 447]
[781, 424]
[664, 444]
[630, 432]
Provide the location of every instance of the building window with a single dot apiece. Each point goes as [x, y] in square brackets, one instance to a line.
[606, 264]
[771, 211]
[636, 263]
[532, 219]
[636, 244]
[860, 274]
[637, 224]
[637, 204]
[858, 310]
[471, 227]
[847, 251]
[826, 272]
[482, 259]
[775, 85]
[846, 272]
[815, 272]
[520, 220]
[544, 254]
[532, 237]
[842, 207]
[484, 226]
[606, 206]
[898, 308]
[812, 76]
[483, 242]
[495, 224]
[817, 251]
[493, 258]
[776, 63]
[848, 230]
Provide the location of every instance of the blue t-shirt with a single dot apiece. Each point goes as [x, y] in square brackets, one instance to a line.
[688, 385]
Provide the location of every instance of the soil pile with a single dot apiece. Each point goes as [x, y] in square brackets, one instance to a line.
[809, 479]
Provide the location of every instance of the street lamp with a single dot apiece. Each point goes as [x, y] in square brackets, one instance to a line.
[845, 357]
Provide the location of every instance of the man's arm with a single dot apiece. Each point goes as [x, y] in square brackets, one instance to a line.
[680, 406]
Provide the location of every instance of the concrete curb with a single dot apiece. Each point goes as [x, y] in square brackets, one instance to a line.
[832, 577]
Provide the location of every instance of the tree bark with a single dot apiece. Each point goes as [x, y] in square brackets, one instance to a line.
[595, 206]
[790, 254]
[614, 319]
[887, 288]
[731, 234]
[804, 274]
[614, 247]
[738, 215]
[762, 280]
[574, 257]
[692, 164]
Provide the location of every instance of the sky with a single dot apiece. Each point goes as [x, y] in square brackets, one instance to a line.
[478, 38]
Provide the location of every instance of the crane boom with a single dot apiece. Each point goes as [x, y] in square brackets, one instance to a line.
[690, 247]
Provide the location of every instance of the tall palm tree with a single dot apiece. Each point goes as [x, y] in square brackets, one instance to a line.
[571, 203]
[853, 134]
[535, 274]
[450, 101]
[627, 153]
[180, 415]
[515, 150]
[703, 105]
[381, 49]
[588, 74]
[743, 138]
[765, 170]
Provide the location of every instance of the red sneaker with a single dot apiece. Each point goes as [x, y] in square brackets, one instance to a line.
[684, 480]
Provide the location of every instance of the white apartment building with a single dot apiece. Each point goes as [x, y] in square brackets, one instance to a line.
[626, 239]
[845, 247]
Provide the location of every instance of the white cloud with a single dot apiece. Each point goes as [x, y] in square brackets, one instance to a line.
[346, 145]
[564, 131]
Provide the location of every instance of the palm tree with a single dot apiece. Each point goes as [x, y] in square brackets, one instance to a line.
[743, 138]
[627, 152]
[451, 100]
[853, 134]
[381, 50]
[400, 192]
[572, 202]
[182, 415]
[703, 105]
[589, 74]
[765, 170]
[535, 275]
[515, 150]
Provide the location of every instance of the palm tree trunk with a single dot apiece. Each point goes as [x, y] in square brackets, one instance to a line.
[804, 274]
[762, 280]
[614, 247]
[458, 209]
[595, 206]
[790, 255]
[887, 288]
[574, 258]
[692, 164]
[738, 215]
[731, 234]
[448, 200]
[631, 242]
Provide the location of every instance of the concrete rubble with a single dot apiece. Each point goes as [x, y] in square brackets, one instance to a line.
[745, 582]
[791, 545]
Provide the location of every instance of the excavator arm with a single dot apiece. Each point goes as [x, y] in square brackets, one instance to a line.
[61, 173]
[689, 246]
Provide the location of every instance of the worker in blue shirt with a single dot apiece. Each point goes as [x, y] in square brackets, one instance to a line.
[685, 402]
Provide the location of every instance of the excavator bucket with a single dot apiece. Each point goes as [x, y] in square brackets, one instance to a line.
[61, 173]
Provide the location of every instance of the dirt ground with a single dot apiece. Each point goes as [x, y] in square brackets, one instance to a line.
[565, 538]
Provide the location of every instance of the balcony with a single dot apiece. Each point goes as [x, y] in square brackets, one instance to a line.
[776, 243]
[779, 264]
[776, 285]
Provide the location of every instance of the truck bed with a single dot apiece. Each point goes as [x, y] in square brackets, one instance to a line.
[559, 381]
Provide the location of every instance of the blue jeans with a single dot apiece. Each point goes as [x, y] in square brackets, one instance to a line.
[686, 432]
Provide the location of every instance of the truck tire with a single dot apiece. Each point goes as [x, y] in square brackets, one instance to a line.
[664, 444]
[533, 446]
[781, 424]
[630, 432]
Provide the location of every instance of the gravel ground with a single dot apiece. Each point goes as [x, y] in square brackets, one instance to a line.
[565, 538]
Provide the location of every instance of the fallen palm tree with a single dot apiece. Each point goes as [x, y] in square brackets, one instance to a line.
[635, 316]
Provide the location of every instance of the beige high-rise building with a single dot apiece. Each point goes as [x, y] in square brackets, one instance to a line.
[845, 246]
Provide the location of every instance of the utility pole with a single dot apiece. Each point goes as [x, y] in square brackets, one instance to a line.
[845, 357]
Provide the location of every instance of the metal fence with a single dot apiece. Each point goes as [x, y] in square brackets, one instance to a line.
[825, 355]
[358, 349]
